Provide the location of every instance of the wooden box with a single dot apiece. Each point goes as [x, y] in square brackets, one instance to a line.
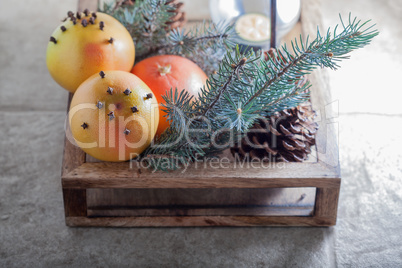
[281, 194]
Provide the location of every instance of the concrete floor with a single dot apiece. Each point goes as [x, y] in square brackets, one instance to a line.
[32, 112]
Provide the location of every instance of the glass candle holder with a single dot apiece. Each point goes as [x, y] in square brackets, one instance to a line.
[251, 19]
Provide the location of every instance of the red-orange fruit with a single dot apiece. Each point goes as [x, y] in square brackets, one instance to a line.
[161, 73]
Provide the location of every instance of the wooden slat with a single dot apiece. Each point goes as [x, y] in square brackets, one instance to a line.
[326, 204]
[73, 156]
[119, 175]
[228, 197]
[184, 211]
[197, 202]
[326, 139]
[197, 221]
[75, 202]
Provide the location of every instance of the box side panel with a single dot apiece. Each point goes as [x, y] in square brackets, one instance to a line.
[198, 202]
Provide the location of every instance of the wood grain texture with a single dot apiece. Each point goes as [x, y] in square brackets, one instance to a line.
[198, 202]
[119, 175]
[326, 139]
[175, 211]
[326, 204]
[197, 221]
[275, 197]
[73, 156]
[75, 202]
[81, 173]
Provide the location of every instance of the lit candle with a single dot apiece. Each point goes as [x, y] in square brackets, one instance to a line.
[253, 27]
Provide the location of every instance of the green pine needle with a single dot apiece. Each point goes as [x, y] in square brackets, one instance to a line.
[247, 87]
[241, 87]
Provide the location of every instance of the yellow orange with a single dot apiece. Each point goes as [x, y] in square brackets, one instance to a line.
[113, 118]
[94, 43]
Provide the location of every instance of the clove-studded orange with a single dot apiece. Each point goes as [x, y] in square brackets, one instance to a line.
[164, 72]
[86, 43]
[113, 116]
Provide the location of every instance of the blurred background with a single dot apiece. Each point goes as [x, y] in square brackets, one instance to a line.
[366, 90]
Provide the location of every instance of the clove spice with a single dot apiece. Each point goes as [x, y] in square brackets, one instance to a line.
[111, 115]
[99, 105]
[84, 125]
[134, 109]
[127, 92]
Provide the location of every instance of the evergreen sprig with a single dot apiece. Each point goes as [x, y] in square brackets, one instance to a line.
[242, 86]
[148, 23]
[246, 87]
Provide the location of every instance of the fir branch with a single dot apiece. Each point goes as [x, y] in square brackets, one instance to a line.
[246, 87]
[148, 23]
[275, 78]
[176, 44]
[223, 89]
[178, 105]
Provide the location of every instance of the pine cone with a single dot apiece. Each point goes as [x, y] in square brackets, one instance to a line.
[286, 136]
[178, 18]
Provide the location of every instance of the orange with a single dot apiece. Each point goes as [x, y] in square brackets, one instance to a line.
[161, 73]
[95, 42]
[113, 118]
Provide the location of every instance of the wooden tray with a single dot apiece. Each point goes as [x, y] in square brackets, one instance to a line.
[284, 194]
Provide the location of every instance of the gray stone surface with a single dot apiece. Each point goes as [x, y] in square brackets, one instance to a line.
[26, 27]
[32, 229]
